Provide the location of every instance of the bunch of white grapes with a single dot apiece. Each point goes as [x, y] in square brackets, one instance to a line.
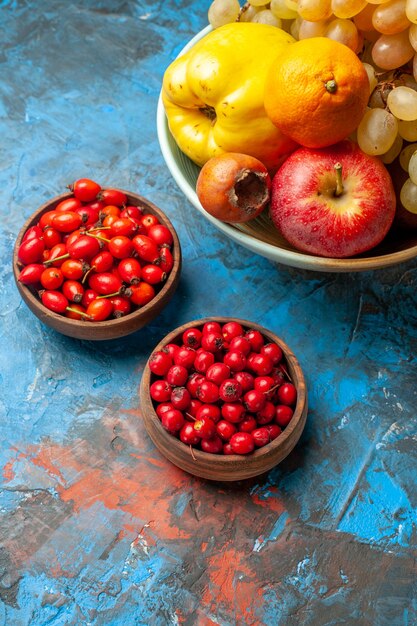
[384, 35]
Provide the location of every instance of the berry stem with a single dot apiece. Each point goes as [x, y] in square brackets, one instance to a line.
[57, 258]
[78, 312]
[97, 237]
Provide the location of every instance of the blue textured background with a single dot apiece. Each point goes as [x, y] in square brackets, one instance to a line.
[95, 527]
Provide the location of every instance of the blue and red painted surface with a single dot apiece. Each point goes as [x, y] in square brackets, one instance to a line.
[95, 526]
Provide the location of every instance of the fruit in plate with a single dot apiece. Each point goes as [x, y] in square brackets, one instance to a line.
[316, 92]
[233, 187]
[333, 202]
[214, 95]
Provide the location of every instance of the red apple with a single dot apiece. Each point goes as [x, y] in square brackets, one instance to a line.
[333, 202]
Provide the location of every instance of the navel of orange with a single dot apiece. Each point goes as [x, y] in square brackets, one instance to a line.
[316, 92]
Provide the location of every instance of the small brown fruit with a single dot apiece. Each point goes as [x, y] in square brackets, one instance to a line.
[234, 187]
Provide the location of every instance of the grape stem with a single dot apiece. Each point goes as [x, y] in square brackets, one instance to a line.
[339, 180]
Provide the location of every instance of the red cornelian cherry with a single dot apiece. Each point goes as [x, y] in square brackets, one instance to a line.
[242, 344]
[66, 222]
[193, 409]
[205, 427]
[266, 414]
[52, 278]
[177, 375]
[212, 341]
[242, 443]
[31, 250]
[214, 445]
[212, 327]
[121, 306]
[231, 330]
[120, 247]
[165, 259]
[148, 220]
[88, 297]
[233, 412]
[153, 274]
[54, 301]
[160, 391]
[69, 204]
[273, 351]
[256, 339]
[192, 337]
[261, 364]
[248, 424]
[146, 248]
[287, 394]
[162, 407]
[203, 360]
[102, 262]
[274, 430]
[105, 283]
[51, 237]
[218, 372]
[209, 410]
[185, 356]
[245, 379]
[235, 360]
[160, 363]
[84, 247]
[225, 429]
[207, 392]
[172, 420]
[193, 383]
[283, 415]
[230, 390]
[254, 400]
[180, 398]
[261, 437]
[188, 435]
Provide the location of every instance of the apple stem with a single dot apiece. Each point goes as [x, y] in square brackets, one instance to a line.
[339, 180]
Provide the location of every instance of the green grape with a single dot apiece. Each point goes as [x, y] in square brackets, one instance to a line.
[280, 10]
[373, 81]
[402, 102]
[412, 168]
[394, 151]
[265, 16]
[314, 10]
[408, 130]
[347, 8]
[377, 131]
[312, 29]
[408, 196]
[406, 154]
[223, 12]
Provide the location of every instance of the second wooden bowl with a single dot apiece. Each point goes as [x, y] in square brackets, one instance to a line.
[221, 467]
[111, 328]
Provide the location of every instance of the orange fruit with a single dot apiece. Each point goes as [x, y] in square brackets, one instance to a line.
[316, 92]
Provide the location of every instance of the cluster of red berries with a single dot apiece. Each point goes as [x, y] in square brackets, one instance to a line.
[223, 389]
[95, 257]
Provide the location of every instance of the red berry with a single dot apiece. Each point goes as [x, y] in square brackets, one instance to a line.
[160, 234]
[73, 290]
[160, 390]
[203, 360]
[235, 360]
[102, 262]
[248, 424]
[266, 414]
[130, 270]
[261, 436]
[273, 351]
[192, 338]
[217, 373]
[185, 356]
[273, 430]
[193, 408]
[177, 375]
[153, 274]
[142, 294]
[212, 342]
[172, 349]
[31, 251]
[146, 248]
[105, 283]
[225, 429]
[121, 306]
[233, 412]
[85, 189]
[194, 382]
[213, 445]
[242, 443]
[99, 310]
[52, 278]
[261, 364]
[242, 344]
[188, 435]
[254, 400]
[287, 394]
[230, 390]
[160, 362]
[66, 222]
[31, 274]
[256, 339]
[231, 330]
[84, 247]
[212, 327]
[245, 379]
[207, 392]
[205, 427]
[162, 407]
[165, 260]
[211, 411]
[172, 420]
[283, 415]
[180, 398]
[113, 197]
[54, 301]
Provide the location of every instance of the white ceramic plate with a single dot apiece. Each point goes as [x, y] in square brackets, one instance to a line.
[185, 174]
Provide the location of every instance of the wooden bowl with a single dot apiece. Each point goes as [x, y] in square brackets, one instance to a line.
[112, 328]
[216, 466]
[259, 235]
